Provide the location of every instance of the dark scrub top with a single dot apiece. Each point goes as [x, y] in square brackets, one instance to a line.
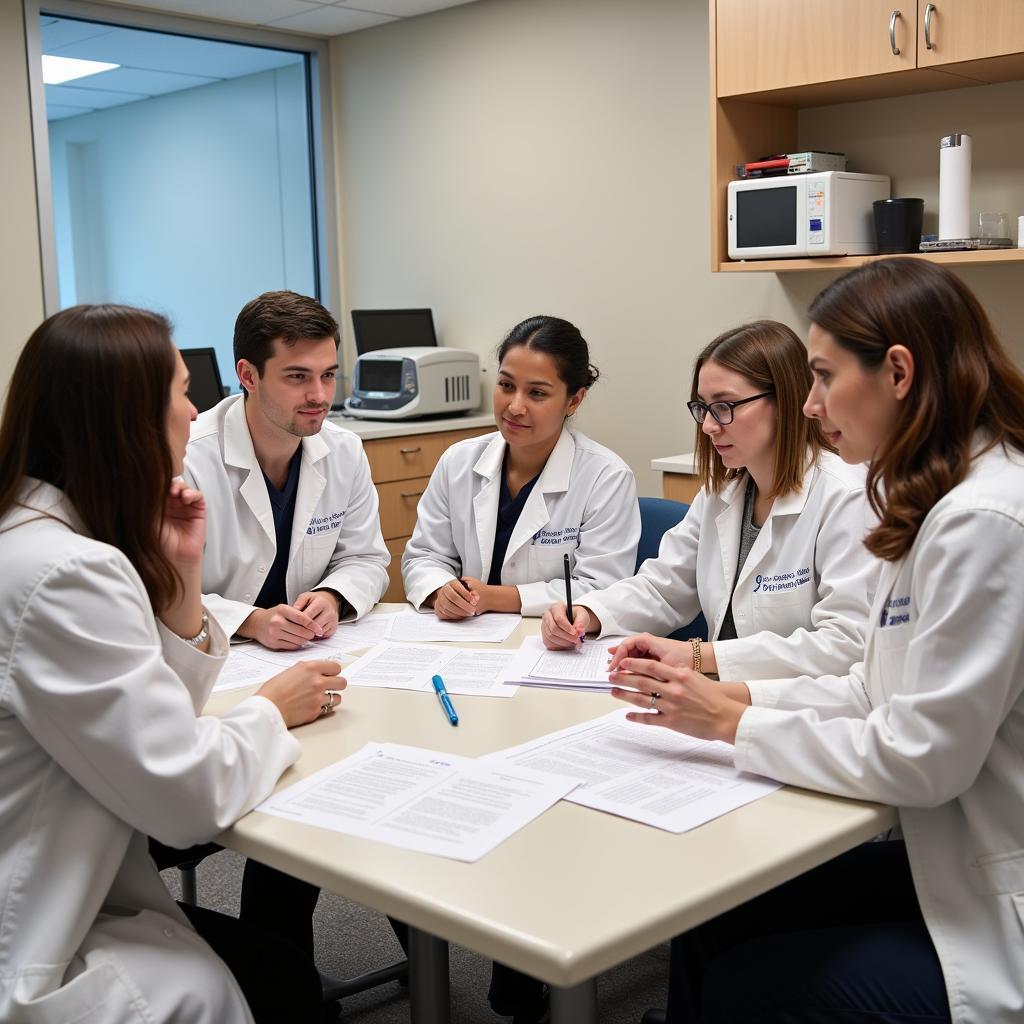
[509, 510]
[282, 503]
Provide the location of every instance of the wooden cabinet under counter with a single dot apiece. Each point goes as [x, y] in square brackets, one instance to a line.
[400, 466]
[678, 481]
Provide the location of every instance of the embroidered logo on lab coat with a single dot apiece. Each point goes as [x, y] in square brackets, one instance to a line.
[896, 612]
[567, 535]
[782, 581]
[325, 524]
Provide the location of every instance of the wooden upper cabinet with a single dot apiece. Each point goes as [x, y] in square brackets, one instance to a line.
[777, 44]
[967, 30]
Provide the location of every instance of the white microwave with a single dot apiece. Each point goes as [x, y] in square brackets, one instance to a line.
[827, 213]
[402, 383]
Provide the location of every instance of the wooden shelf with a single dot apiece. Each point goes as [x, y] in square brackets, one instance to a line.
[986, 256]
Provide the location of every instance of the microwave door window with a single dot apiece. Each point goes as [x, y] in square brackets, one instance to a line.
[766, 217]
[380, 375]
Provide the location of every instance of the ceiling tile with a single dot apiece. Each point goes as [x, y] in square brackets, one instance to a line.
[331, 21]
[158, 51]
[56, 112]
[401, 8]
[54, 32]
[250, 12]
[94, 99]
[152, 83]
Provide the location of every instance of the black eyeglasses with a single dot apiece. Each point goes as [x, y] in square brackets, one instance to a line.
[721, 412]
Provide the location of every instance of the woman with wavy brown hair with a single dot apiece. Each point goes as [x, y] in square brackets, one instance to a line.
[908, 376]
[106, 659]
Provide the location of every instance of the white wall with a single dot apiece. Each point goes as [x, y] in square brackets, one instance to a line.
[190, 203]
[21, 279]
[514, 157]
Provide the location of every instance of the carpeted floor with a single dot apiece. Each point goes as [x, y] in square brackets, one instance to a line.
[351, 940]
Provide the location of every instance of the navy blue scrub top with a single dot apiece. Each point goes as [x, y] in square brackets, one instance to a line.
[509, 510]
[282, 503]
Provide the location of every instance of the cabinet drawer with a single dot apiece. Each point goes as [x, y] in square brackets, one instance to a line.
[395, 591]
[398, 501]
[402, 458]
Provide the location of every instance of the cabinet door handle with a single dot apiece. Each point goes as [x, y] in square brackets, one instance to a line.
[929, 10]
[409, 451]
[410, 494]
[892, 32]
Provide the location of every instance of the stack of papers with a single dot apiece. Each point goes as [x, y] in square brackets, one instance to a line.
[642, 772]
[489, 628]
[585, 668]
[412, 667]
[250, 664]
[421, 800]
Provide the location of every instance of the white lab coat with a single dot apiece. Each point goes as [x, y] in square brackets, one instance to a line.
[583, 504]
[102, 744]
[802, 598]
[336, 540]
[933, 722]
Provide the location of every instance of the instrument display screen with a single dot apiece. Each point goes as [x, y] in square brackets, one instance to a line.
[379, 375]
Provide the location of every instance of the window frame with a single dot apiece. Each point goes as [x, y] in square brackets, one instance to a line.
[324, 197]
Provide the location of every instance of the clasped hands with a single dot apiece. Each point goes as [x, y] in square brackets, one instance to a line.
[687, 701]
[287, 627]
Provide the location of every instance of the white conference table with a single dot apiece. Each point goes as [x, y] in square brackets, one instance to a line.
[575, 892]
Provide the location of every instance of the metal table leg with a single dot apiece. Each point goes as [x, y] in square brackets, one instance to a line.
[429, 996]
[575, 1005]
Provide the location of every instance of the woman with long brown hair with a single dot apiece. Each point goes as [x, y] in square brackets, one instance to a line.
[908, 376]
[771, 550]
[107, 659]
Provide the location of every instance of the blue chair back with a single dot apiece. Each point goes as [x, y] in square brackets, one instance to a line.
[657, 516]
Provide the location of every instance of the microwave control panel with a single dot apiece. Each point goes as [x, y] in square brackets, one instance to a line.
[815, 213]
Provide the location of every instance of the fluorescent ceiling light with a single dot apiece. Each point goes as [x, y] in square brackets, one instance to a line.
[64, 69]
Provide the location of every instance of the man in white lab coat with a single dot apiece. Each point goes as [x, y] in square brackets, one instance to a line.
[293, 544]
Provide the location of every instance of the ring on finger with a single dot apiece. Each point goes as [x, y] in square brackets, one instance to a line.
[655, 697]
[326, 708]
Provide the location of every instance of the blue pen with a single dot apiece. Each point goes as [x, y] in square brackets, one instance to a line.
[446, 701]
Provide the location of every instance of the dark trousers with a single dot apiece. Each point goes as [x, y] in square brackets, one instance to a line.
[844, 943]
[513, 993]
[284, 905]
[278, 903]
[279, 982]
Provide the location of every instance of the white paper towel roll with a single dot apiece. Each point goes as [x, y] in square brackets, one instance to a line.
[955, 186]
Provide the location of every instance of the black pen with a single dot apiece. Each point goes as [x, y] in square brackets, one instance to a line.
[568, 590]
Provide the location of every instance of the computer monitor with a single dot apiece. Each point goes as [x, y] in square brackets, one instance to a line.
[392, 328]
[205, 388]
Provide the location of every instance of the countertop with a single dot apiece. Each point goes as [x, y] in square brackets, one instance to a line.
[372, 430]
[674, 464]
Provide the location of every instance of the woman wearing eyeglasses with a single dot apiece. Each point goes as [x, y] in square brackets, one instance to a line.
[771, 550]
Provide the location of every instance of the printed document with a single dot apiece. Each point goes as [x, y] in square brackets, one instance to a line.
[249, 663]
[350, 637]
[585, 668]
[421, 800]
[489, 628]
[655, 776]
[412, 666]
[239, 670]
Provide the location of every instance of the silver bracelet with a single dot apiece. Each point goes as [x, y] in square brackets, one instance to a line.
[195, 641]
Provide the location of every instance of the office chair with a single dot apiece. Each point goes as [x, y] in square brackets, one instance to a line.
[657, 516]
